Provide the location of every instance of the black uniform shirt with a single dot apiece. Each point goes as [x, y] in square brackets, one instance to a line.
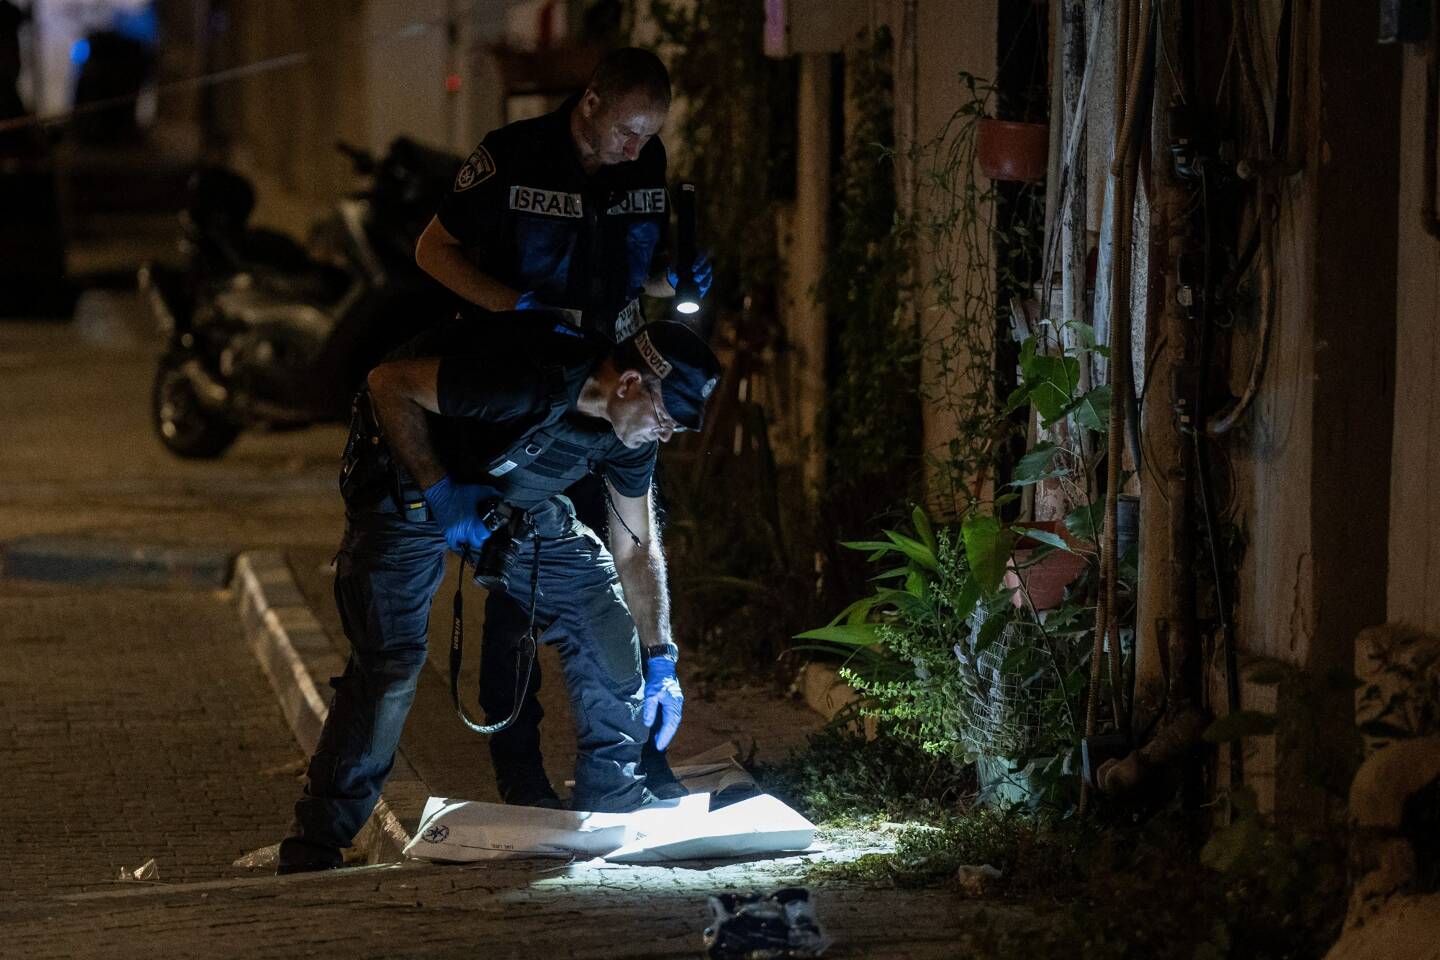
[494, 385]
[534, 220]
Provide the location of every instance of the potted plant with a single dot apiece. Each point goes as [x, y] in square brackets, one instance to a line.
[1013, 149]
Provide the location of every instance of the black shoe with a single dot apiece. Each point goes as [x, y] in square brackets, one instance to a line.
[659, 778]
[301, 856]
[646, 799]
[531, 792]
[664, 785]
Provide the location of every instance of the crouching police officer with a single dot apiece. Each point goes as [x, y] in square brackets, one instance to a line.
[561, 217]
[489, 441]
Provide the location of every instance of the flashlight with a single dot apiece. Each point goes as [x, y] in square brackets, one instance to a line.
[687, 291]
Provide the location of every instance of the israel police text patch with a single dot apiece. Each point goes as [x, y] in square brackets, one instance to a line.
[553, 203]
[651, 200]
[477, 169]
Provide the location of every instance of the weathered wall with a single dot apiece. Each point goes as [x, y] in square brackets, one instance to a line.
[407, 56]
[1312, 462]
[281, 124]
[1414, 555]
[804, 229]
[1273, 453]
[373, 70]
[949, 36]
[1305, 475]
[934, 41]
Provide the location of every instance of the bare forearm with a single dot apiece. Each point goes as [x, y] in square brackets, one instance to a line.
[442, 256]
[450, 266]
[658, 286]
[642, 577]
[407, 434]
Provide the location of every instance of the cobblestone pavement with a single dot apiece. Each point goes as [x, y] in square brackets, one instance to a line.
[81, 457]
[132, 725]
[508, 910]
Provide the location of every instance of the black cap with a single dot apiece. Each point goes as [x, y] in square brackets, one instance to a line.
[685, 364]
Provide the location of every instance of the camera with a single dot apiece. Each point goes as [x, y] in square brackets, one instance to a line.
[490, 563]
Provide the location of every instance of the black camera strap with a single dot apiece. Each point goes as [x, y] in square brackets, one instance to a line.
[527, 653]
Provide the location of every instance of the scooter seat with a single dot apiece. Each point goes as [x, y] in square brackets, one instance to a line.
[282, 266]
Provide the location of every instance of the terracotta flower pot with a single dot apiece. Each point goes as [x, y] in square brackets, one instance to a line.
[1045, 582]
[1009, 150]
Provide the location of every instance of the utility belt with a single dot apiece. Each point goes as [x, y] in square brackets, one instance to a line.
[372, 480]
[368, 474]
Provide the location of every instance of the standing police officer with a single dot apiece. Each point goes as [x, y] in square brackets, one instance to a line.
[564, 213]
[489, 440]
[560, 216]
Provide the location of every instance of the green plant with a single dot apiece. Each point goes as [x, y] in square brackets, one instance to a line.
[953, 652]
[951, 656]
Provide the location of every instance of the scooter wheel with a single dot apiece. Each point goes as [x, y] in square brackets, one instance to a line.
[183, 425]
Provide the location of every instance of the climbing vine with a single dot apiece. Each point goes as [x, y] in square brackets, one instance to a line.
[872, 409]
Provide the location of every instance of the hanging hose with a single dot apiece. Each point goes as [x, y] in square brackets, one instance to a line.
[1097, 652]
[1141, 38]
[1251, 95]
[1282, 156]
[1137, 107]
[1125, 128]
[1266, 169]
[1223, 422]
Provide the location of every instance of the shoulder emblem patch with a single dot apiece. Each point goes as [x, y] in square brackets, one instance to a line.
[477, 169]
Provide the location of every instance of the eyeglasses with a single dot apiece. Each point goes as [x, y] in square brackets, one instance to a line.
[664, 420]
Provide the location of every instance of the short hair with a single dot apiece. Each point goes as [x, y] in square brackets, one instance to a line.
[631, 68]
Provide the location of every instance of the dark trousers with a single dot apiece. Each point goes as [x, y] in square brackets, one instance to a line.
[515, 751]
[387, 572]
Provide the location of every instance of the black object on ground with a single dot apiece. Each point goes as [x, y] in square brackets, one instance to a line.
[754, 927]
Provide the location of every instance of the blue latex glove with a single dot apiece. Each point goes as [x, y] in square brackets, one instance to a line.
[703, 270]
[456, 508]
[662, 693]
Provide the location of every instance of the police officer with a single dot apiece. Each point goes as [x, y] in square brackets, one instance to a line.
[564, 213]
[561, 217]
[491, 439]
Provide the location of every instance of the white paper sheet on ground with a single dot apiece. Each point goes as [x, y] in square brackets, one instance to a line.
[758, 826]
[471, 830]
[465, 830]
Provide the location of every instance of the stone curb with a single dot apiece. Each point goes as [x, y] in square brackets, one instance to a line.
[80, 560]
[299, 658]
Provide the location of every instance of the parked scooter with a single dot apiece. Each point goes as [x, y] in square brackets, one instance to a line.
[264, 333]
